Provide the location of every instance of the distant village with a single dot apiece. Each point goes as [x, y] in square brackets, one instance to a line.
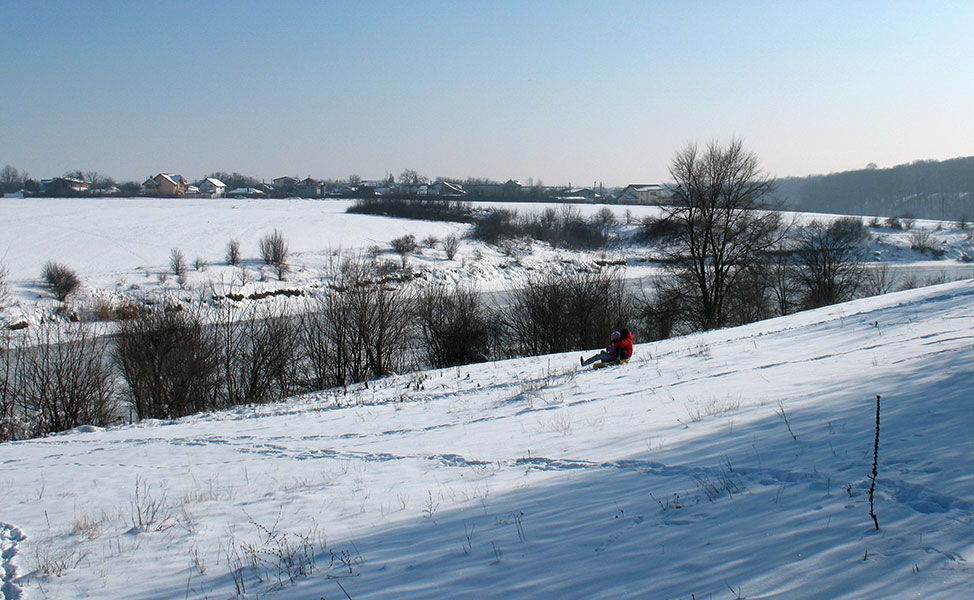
[408, 185]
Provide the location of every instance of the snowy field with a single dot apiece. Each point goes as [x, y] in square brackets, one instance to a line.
[728, 464]
[121, 248]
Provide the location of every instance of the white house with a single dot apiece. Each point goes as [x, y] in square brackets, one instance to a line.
[642, 193]
[213, 187]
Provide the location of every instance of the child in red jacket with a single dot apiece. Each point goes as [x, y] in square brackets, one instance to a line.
[620, 349]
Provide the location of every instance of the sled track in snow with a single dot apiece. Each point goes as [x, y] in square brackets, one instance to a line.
[10, 538]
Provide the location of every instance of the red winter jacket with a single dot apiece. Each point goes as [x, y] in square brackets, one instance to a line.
[622, 348]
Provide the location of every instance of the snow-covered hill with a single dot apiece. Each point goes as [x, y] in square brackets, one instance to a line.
[728, 464]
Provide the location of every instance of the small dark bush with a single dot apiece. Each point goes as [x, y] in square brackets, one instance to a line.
[451, 244]
[61, 280]
[563, 228]
[233, 253]
[274, 252]
[849, 229]
[170, 363]
[177, 262]
[457, 327]
[495, 225]
[924, 241]
[658, 229]
[403, 246]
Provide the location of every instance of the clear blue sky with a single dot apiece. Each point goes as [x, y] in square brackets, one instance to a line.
[558, 91]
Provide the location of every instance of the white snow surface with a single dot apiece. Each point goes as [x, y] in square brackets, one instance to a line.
[732, 463]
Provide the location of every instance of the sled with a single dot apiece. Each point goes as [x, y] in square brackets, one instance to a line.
[602, 364]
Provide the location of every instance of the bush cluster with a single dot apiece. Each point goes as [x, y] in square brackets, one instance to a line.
[420, 209]
[563, 227]
[167, 362]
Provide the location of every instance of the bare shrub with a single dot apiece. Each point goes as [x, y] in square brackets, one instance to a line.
[322, 343]
[563, 227]
[658, 228]
[274, 252]
[371, 325]
[403, 246]
[430, 241]
[257, 355]
[199, 264]
[150, 512]
[233, 253]
[60, 279]
[169, 362]
[605, 218]
[457, 328]
[60, 380]
[50, 560]
[177, 262]
[107, 310]
[923, 240]
[495, 225]
[556, 313]
[451, 244]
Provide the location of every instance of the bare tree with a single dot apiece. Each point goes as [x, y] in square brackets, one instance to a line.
[10, 422]
[721, 226]
[830, 265]
[10, 179]
[411, 177]
[605, 218]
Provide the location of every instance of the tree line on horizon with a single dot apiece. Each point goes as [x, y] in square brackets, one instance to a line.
[926, 189]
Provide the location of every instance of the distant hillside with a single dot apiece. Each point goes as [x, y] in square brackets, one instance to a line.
[924, 189]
